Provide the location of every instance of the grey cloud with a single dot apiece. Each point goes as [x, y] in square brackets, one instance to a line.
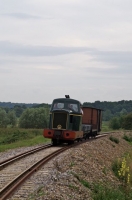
[117, 64]
[118, 58]
[21, 16]
[120, 62]
[5, 70]
[7, 48]
[114, 57]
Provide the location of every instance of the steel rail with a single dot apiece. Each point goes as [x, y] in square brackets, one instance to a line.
[22, 155]
[14, 158]
[11, 187]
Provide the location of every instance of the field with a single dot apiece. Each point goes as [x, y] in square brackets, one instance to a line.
[105, 126]
[11, 138]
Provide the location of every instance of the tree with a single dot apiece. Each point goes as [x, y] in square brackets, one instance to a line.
[121, 119]
[3, 118]
[25, 119]
[127, 122]
[114, 123]
[19, 110]
[12, 120]
[123, 112]
[107, 115]
[34, 118]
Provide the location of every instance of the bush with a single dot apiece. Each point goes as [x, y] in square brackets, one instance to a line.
[101, 192]
[123, 170]
[128, 138]
[115, 123]
[116, 165]
[34, 118]
[113, 139]
[127, 122]
[3, 118]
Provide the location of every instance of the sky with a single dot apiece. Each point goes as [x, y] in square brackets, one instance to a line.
[82, 48]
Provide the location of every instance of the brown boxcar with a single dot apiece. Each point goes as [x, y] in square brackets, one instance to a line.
[92, 120]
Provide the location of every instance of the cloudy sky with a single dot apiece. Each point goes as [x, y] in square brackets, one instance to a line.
[78, 47]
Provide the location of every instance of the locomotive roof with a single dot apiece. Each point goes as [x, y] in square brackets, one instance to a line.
[74, 100]
[67, 100]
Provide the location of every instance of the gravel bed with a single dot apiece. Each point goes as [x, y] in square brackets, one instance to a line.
[13, 152]
[61, 178]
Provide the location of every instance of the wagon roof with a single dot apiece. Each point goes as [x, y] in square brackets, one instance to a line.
[92, 107]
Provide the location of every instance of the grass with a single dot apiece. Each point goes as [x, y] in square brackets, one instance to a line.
[105, 170]
[114, 139]
[40, 192]
[85, 183]
[128, 138]
[116, 165]
[11, 138]
[106, 192]
[73, 187]
[101, 192]
[105, 127]
[71, 164]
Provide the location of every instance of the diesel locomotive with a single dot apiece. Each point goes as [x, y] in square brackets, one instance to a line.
[70, 121]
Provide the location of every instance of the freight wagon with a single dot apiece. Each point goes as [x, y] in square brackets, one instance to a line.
[70, 121]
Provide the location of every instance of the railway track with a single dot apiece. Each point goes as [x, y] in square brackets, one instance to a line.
[22, 155]
[12, 175]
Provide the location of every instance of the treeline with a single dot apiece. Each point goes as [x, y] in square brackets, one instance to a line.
[30, 118]
[12, 105]
[110, 109]
[19, 108]
[37, 116]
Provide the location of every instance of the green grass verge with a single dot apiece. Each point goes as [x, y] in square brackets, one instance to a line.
[101, 192]
[14, 138]
[114, 139]
[105, 192]
[105, 127]
[128, 138]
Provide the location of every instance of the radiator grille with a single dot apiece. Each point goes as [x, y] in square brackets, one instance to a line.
[60, 120]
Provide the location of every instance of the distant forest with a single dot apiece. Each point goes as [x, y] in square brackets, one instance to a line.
[11, 105]
[110, 109]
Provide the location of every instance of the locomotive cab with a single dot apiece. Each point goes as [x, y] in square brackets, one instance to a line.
[65, 114]
[65, 123]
